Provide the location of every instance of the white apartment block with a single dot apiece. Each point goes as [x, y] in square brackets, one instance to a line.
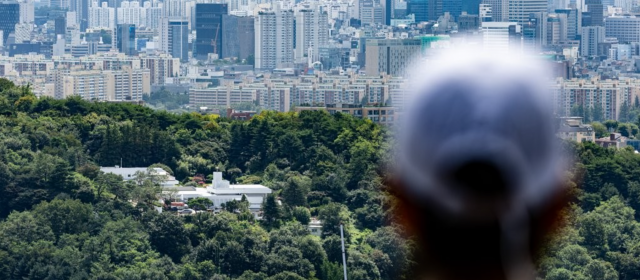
[131, 13]
[282, 94]
[274, 40]
[312, 32]
[609, 94]
[102, 16]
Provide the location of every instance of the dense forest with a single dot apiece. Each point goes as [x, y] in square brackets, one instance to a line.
[61, 218]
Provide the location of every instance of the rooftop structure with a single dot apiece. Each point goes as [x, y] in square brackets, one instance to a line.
[221, 191]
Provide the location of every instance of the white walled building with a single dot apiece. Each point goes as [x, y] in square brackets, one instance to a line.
[221, 191]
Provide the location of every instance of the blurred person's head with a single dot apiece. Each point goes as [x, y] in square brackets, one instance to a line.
[478, 165]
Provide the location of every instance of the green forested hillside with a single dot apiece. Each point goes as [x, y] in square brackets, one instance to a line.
[60, 218]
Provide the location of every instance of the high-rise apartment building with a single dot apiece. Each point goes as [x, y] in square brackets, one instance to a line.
[312, 32]
[131, 13]
[624, 28]
[390, 56]
[126, 39]
[519, 10]
[208, 26]
[10, 12]
[274, 39]
[27, 11]
[591, 37]
[102, 16]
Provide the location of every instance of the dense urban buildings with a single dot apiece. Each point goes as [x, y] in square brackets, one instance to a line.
[228, 48]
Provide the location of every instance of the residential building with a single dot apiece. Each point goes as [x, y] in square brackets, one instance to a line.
[132, 173]
[311, 34]
[572, 128]
[274, 40]
[102, 16]
[614, 140]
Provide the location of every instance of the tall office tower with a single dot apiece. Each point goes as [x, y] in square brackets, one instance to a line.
[371, 13]
[238, 36]
[486, 12]
[10, 12]
[624, 28]
[519, 10]
[102, 17]
[591, 37]
[555, 29]
[388, 6]
[471, 6]
[131, 13]
[312, 32]
[60, 25]
[453, 7]
[391, 56]
[532, 32]
[501, 36]
[425, 10]
[27, 12]
[174, 37]
[208, 26]
[574, 22]
[274, 39]
[126, 39]
[499, 9]
[594, 14]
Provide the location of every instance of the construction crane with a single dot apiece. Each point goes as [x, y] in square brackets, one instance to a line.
[214, 41]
